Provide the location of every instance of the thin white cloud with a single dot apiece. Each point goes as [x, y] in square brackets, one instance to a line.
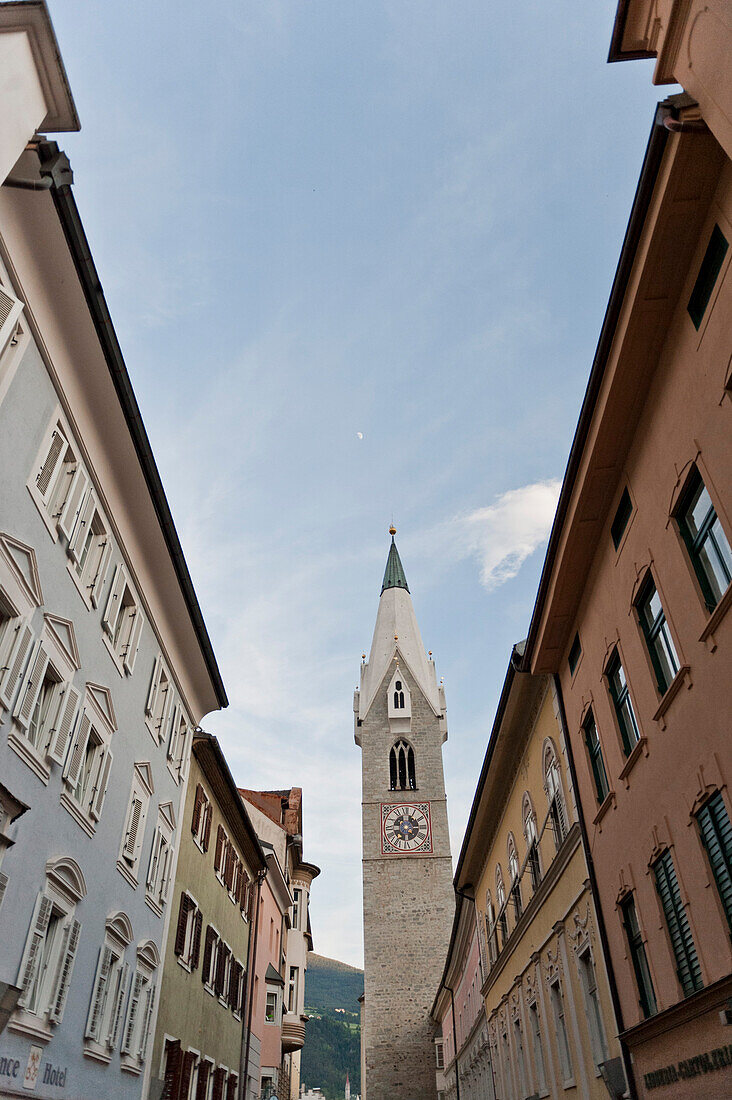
[503, 535]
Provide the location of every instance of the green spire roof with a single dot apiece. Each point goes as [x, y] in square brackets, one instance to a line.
[394, 573]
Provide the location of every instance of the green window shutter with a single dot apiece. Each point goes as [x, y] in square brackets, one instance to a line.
[682, 942]
[716, 833]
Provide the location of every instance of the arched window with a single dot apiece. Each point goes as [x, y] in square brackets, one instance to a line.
[513, 872]
[554, 794]
[532, 841]
[398, 695]
[490, 928]
[501, 901]
[401, 767]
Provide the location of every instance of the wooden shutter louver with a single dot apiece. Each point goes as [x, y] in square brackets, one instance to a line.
[119, 1005]
[180, 933]
[220, 838]
[50, 464]
[73, 507]
[132, 1011]
[63, 723]
[154, 687]
[231, 1085]
[173, 1059]
[682, 942]
[189, 1062]
[202, 1087]
[28, 696]
[196, 945]
[101, 785]
[32, 952]
[208, 811]
[219, 1079]
[66, 968]
[99, 993]
[716, 832]
[134, 824]
[17, 659]
[78, 752]
[197, 806]
[10, 311]
[147, 1020]
[207, 952]
[97, 580]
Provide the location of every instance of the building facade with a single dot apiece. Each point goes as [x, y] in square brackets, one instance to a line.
[199, 1041]
[400, 726]
[631, 614]
[522, 890]
[105, 664]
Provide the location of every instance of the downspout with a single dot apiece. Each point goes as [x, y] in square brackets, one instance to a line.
[602, 930]
[454, 1043]
[251, 954]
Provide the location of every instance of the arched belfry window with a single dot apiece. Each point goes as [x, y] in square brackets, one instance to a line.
[398, 695]
[401, 767]
[398, 699]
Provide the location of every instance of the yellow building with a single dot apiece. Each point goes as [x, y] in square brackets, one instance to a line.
[551, 1025]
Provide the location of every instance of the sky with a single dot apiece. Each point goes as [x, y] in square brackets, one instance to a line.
[357, 255]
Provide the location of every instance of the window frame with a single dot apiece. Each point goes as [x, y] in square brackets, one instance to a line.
[726, 854]
[595, 756]
[655, 630]
[619, 699]
[636, 942]
[694, 544]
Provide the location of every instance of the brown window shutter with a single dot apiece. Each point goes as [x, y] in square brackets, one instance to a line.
[207, 827]
[220, 966]
[189, 1061]
[219, 848]
[196, 946]
[180, 934]
[202, 1087]
[219, 1079]
[231, 1086]
[171, 1087]
[233, 977]
[207, 949]
[197, 804]
[244, 900]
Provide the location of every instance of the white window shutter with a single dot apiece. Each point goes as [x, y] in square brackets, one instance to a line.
[102, 782]
[82, 522]
[165, 873]
[33, 946]
[134, 643]
[61, 991]
[132, 828]
[96, 582]
[63, 723]
[173, 731]
[75, 760]
[74, 503]
[3, 884]
[114, 600]
[99, 993]
[132, 1012]
[149, 1006]
[154, 687]
[10, 311]
[152, 870]
[27, 699]
[116, 1017]
[15, 667]
[47, 472]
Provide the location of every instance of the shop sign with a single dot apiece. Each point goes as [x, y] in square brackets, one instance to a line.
[719, 1058]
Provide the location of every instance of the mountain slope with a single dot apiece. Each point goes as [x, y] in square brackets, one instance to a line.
[332, 984]
[333, 1036]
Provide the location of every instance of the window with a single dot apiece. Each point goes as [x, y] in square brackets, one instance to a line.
[187, 944]
[711, 265]
[210, 955]
[501, 901]
[223, 971]
[553, 787]
[532, 843]
[89, 760]
[657, 635]
[575, 653]
[46, 706]
[401, 768]
[398, 695]
[122, 621]
[161, 859]
[682, 942]
[705, 541]
[513, 871]
[594, 751]
[158, 698]
[296, 906]
[592, 1006]
[620, 521]
[201, 818]
[636, 946]
[104, 1020]
[716, 833]
[293, 989]
[519, 1044]
[140, 1008]
[620, 696]
[538, 1046]
[134, 829]
[271, 1009]
[560, 1026]
[439, 1054]
[490, 928]
[236, 989]
[90, 547]
[60, 481]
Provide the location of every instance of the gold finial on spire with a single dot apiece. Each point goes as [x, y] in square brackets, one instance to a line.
[392, 530]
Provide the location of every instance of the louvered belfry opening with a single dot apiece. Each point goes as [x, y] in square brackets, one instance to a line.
[401, 768]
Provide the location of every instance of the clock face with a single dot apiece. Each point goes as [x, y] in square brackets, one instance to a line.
[405, 827]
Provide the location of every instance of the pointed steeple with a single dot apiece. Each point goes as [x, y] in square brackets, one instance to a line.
[394, 573]
[396, 635]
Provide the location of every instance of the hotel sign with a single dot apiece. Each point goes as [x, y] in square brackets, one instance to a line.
[719, 1058]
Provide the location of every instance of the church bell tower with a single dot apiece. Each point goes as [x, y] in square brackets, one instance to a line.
[408, 899]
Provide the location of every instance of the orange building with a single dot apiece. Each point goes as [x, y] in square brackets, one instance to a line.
[632, 611]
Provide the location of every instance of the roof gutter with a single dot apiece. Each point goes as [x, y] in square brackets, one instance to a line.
[641, 203]
[55, 166]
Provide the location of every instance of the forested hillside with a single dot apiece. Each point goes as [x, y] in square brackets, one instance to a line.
[333, 1038]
